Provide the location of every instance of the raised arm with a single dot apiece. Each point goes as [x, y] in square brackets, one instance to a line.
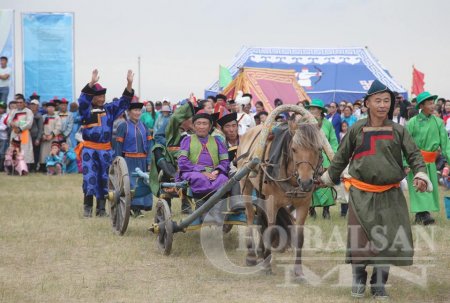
[117, 108]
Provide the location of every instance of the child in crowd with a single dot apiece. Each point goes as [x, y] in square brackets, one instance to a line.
[53, 162]
[344, 129]
[14, 159]
[69, 159]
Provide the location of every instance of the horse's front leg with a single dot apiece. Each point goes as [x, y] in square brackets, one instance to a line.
[251, 259]
[298, 237]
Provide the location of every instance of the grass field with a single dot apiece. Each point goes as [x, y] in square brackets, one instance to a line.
[50, 253]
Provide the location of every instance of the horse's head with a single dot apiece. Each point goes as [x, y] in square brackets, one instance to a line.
[306, 154]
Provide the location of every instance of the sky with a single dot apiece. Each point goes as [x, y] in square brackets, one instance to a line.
[182, 42]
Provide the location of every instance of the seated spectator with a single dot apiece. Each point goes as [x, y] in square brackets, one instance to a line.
[53, 161]
[203, 159]
[69, 159]
[15, 159]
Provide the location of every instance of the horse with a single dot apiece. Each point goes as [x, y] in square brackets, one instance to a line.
[298, 167]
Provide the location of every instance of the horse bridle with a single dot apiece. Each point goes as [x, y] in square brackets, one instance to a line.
[317, 170]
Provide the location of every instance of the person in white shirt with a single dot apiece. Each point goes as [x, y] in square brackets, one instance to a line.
[245, 121]
[5, 74]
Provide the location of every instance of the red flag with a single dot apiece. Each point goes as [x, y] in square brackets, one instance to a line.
[418, 82]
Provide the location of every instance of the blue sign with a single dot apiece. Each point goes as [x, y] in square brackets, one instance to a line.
[7, 45]
[48, 55]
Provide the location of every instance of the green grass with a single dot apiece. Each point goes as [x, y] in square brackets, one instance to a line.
[50, 253]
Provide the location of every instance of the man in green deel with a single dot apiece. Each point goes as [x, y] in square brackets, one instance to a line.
[379, 231]
[429, 134]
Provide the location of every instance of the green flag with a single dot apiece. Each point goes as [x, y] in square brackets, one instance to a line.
[224, 76]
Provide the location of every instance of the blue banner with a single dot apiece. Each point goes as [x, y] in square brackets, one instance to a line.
[48, 55]
[7, 45]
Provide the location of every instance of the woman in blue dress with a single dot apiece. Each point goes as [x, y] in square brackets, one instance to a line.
[133, 143]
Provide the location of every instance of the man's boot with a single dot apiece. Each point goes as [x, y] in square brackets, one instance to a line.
[312, 213]
[359, 280]
[100, 212]
[427, 219]
[88, 202]
[326, 213]
[344, 209]
[378, 281]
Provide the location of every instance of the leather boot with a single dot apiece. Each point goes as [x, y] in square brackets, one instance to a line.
[100, 212]
[378, 281]
[326, 213]
[359, 280]
[427, 219]
[88, 202]
[344, 209]
[312, 213]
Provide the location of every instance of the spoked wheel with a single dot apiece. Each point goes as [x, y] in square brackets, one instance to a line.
[163, 219]
[119, 195]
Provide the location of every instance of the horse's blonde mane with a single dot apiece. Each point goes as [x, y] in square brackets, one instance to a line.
[308, 136]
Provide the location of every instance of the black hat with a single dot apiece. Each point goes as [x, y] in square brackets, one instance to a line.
[202, 116]
[227, 118]
[35, 96]
[134, 105]
[376, 88]
[50, 103]
[221, 96]
[248, 95]
[158, 103]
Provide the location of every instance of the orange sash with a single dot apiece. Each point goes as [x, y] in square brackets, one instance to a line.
[368, 187]
[135, 155]
[429, 157]
[90, 144]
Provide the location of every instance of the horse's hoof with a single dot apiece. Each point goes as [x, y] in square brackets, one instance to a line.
[299, 279]
[250, 261]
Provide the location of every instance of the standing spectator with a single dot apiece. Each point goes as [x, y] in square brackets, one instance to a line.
[278, 102]
[404, 104]
[158, 106]
[161, 124]
[446, 111]
[3, 134]
[20, 121]
[5, 74]
[334, 116]
[259, 106]
[364, 114]
[323, 197]
[344, 130]
[52, 128]
[76, 123]
[149, 119]
[430, 135]
[37, 130]
[348, 115]
[15, 159]
[66, 121]
[357, 109]
[396, 116]
[342, 106]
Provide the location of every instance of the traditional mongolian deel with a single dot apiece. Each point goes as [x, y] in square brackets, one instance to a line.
[24, 119]
[376, 169]
[96, 153]
[198, 155]
[429, 134]
[133, 143]
[52, 126]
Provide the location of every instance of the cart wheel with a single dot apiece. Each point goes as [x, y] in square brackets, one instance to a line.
[163, 218]
[120, 199]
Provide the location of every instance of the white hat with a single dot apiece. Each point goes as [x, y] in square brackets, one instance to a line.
[165, 108]
[34, 101]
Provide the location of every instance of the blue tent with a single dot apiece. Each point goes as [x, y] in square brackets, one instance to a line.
[330, 74]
